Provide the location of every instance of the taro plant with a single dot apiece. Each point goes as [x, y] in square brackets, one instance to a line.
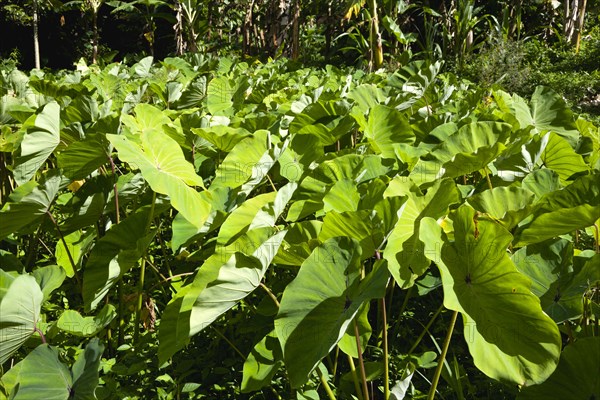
[206, 228]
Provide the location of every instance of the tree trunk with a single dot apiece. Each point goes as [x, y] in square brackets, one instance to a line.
[210, 19]
[178, 28]
[279, 29]
[580, 22]
[296, 30]
[36, 41]
[247, 29]
[95, 37]
[328, 30]
[375, 37]
[571, 12]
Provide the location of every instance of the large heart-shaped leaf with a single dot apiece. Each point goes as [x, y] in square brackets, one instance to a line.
[326, 120]
[262, 363]
[508, 204]
[38, 143]
[40, 375]
[225, 278]
[223, 137]
[559, 156]
[19, 314]
[28, 204]
[83, 157]
[163, 166]
[85, 371]
[114, 254]
[248, 163]
[574, 207]
[327, 293]
[576, 376]
[509, 336]
[548, 112]
[405, 250]
[74, 323]
[385, 127]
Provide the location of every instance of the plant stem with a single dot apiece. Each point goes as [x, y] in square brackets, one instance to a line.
[32, 248]
[386, 366]
[62, 239]
[271, 295]
[425, 330]
[326, 386]
[354, 377]
[121, 333]
[438, 370]
[115, 190]
[233, 346]
[487, 177]
[597, 237]
[140, 300]
[335, 362]
[363, 373]
[39, 331]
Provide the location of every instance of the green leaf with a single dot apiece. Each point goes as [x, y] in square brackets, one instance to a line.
[367, 96]
[576, 376]
[185, 232]
[508, 204]
[223, 137]
[560, 157]
[562, 211]
[226, 277]
[262, 363]
[38, 143]
[40, 375]
[247, 164]
[385, 127]
[258, 212]
[49, 278]
[363, 226]
[541, 182]
[219, 95]
[28, 204]
[163, 166]
[405, 249]
[73, 323]
[327, 293]
[78, 245]
[326, 120]
[83, 157]
[509, 336]
[342, 196]
[85, 371]
[550, 266]
[347, 343]
[19, 314]
[472, 147]
[114, 254]
[238, 222]
[549, 112]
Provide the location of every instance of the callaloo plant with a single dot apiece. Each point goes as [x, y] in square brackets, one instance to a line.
[203, 228]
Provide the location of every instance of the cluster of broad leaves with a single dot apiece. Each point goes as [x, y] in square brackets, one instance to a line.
[304, 194]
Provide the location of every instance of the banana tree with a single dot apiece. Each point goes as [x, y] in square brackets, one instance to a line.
[574, 14]
[375, 43]
[148, 9]
[186, 28]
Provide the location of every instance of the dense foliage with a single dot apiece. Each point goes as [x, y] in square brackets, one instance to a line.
[205, 227]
